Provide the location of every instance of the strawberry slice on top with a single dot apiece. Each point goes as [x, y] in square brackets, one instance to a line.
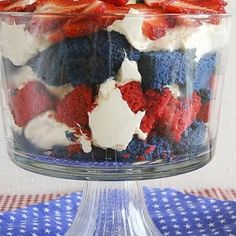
[90, 20]
[158, 3]
[18, 6]
[181, 6]
[154, 27]
[61, 6]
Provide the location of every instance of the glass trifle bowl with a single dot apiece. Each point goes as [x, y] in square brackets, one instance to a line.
[129, 93]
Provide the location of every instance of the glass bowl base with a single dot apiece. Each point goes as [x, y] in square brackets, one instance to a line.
[110, 171]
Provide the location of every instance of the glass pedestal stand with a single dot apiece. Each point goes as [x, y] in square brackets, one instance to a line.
[113, 208]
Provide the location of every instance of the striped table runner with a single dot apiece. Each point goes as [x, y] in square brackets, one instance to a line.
[10, 202]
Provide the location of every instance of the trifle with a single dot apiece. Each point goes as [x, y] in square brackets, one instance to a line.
[112, 82]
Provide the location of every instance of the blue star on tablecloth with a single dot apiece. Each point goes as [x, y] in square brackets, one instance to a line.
[173, 212]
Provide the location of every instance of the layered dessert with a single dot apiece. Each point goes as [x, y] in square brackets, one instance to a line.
[112, 80]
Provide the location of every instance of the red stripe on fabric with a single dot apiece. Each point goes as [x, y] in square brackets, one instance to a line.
[4, 203]
[13, 203]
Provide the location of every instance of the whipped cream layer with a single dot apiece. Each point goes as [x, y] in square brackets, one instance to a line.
[112, 122]
[18, 44]
[45, 132]
[128, 72]
[24, 74]
[205, 38]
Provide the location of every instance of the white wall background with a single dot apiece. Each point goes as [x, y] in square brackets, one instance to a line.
[221, 172]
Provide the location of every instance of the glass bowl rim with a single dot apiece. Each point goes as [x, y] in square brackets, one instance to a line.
[141, 14]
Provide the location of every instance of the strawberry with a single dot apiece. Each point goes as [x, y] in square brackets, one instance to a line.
[80, 28]
[218, 5]
[139, 7]
[58, 8]
[155, 27]
[19, 6]
[181, 6]
[188, 22]
[118, 3]
[5, 3]
[61, 6]
[158, 3]
[91, 20]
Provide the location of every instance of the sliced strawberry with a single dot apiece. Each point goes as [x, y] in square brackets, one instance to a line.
[4, 4]
[155, 27]
[181, 6]
[218, 5]
[58, 8]
[80, 28]
[118, 3]
[188, 22]
[61, 6]
[140, 7]
[19, 6]
[91, 20]
[158, 3]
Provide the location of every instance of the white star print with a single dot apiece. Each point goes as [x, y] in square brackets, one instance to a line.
[47, 231]
[154, 199]
[24, 216]
[176, 226]
[13, 218]
[209, 217]
[68, 208]
[199, 225]
[46, 210]
[187, 226]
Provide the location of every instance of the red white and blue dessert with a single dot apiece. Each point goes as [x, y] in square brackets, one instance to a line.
[112, 80]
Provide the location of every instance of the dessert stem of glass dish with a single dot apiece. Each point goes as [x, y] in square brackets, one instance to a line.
[113, 208]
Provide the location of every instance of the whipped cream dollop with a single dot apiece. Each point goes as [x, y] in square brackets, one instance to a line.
[128, 72]
[205, 38]
[18, 44]
[24, 74]
[112, 123]
[44, 131]
[20, 77]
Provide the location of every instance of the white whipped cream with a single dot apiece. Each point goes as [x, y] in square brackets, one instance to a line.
[112, 122]
[45, 132]
[205, 38]
[20, 77]
[18, 45]
[60, 91]
[128, 72]
[85, 143]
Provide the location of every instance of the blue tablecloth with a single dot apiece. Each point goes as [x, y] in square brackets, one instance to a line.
[173, 212]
